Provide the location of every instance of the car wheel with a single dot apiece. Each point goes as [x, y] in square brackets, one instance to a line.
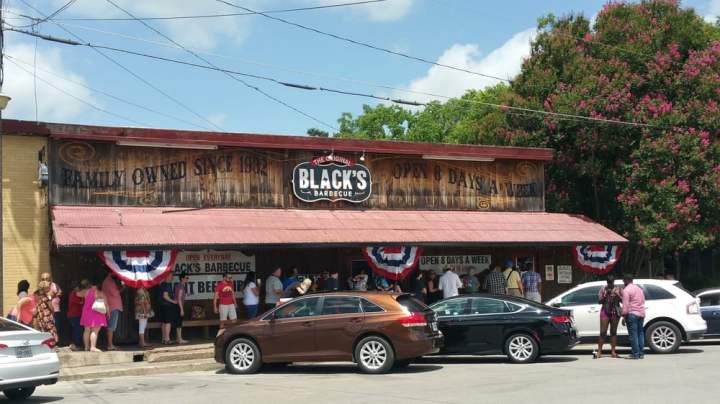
[374, 355]
[19, 394]
[521, 348]
[663, 337]
[242, 357]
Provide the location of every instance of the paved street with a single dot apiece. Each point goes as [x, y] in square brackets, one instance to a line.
[576, 378]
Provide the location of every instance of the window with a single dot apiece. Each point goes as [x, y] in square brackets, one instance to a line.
[710, 300]
[6, 325]
[370, 307]
[583, 296]
[452, 307]
[299, 308]
[340, 305]
[412, 304]
[654, 292]
[488, 306]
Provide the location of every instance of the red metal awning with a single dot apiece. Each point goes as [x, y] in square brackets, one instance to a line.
[85, 227]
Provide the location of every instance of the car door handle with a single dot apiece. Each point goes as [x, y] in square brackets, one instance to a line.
[307, 323]
[356, 319]
[593, 310]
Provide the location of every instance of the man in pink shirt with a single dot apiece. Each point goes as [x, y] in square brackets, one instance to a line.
[633, 308]
[111, 289]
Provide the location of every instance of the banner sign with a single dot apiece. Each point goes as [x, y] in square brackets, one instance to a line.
[202, 287]
[139, 268]
[331, 179]
[213, 262]
[597, 259]
[394, 263]
[460, 263]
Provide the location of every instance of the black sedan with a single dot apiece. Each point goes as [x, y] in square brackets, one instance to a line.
[498, 324]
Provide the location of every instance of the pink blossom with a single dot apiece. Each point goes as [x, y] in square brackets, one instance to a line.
[683, 185]
[671, 226]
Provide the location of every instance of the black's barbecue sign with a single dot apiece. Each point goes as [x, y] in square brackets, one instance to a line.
[331, 178]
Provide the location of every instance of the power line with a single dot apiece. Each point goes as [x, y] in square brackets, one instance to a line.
[337, 91]
[88, 103]
[38, 21]
[207, 62]
[184, 17]
[109, 95]
[361, 43]
[131, 72]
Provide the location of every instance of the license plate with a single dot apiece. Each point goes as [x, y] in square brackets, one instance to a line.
[433, 325]
[23, 352]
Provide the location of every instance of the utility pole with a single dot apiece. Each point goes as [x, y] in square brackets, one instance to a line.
[3, 103]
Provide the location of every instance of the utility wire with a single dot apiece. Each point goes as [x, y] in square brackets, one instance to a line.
[233, 77]
[186, 17]
[337, 91]
[361, 43]
[109, 95]
[131, 72]
[88, 103]
[38, 21]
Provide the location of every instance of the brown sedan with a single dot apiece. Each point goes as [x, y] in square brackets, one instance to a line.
[373, 329]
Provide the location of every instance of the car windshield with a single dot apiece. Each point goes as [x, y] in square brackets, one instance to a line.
[6, 325]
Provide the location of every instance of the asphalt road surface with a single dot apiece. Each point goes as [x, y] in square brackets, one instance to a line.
[693, 375]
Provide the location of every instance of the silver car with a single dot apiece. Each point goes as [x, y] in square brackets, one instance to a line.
[27, 359]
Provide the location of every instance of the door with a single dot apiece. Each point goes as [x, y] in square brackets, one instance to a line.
[451, 314]
[586, 310]
[710, 310]
[291, 334]
[340, 322]
[486, 322]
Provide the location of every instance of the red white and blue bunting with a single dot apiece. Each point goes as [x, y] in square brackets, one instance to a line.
[139, 268]
[598, 259]
[394, 263]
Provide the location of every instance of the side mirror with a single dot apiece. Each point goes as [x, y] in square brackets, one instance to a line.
[557, 304]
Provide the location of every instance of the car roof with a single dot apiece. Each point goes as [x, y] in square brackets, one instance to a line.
[489, 295]
[705, 291]
[663, 282]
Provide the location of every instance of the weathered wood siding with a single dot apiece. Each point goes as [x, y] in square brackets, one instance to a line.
[102, 173]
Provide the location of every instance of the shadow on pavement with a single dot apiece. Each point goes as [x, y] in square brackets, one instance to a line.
[32, 399]
[448, 360]
[332, 369]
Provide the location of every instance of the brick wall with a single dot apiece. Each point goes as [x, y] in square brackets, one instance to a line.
[25, 216]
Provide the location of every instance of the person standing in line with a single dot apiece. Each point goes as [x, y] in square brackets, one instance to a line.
[180, 299]
[273, 288]
[633, 309]
[419, 286]
[495, 282]
[43, 317]
[94, 314]
[332, 283]
[471, 283]
[224, 302]
[432, 289]
[610, 312]
[22, 292]
[360, 281]
[532, 284]
[251, 296]
[111, 288]
[449, 283]
[75, 305]
[512, 280]
[291, 278]
[143, 312]
[55, 294]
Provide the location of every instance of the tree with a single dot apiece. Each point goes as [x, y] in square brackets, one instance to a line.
[317, 132]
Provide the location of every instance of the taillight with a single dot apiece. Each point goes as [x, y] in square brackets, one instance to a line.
[3, 346]
[414, 320]
[560, 319]
[693, 308]
[50, 342]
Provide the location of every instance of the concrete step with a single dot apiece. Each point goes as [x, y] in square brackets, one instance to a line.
[137, 369]
[179, 355]
[69, 359]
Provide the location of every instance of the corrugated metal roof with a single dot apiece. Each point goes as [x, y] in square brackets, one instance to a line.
[135, 227]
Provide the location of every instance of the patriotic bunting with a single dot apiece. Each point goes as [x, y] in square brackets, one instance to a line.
[394, 263]
[139, 268]
[598, 259]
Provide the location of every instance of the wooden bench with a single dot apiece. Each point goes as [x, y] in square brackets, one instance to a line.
[205, 324]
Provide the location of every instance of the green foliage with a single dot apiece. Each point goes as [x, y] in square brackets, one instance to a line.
[315, 132]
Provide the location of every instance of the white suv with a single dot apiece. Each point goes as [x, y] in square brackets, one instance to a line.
[671, 313]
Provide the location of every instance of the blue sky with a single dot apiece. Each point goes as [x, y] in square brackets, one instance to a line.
[486, 36]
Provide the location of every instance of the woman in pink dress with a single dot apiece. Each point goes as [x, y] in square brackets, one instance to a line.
[93, 319]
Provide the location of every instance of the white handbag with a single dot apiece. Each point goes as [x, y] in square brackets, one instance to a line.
[99, 306]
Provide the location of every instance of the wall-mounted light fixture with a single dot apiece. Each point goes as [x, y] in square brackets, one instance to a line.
[457, 158]
[362, 158]
[166, 145]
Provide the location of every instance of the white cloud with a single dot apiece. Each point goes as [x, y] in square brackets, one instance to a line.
[712, 11]
[218, 118]
[504, 62]
[381, 12]
[53, 105]
[203, 33]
